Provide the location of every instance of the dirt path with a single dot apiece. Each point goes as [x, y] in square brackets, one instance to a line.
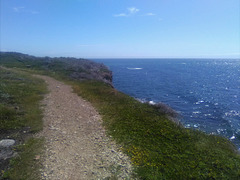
[76, 145]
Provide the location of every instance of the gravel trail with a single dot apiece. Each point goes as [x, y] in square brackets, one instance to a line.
[76, 146]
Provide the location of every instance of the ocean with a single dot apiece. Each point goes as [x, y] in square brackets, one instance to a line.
[205, 92]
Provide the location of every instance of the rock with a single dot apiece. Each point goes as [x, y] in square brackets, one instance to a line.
[6, 143]
[5, 149]
[6, 154]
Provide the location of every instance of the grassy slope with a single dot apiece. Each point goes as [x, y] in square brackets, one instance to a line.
[158, 148]
[19, 109]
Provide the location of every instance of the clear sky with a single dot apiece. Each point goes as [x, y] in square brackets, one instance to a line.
[123, 28]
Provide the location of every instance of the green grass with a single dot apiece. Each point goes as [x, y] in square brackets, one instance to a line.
[19, 100]
[158, 148]
[20, 96]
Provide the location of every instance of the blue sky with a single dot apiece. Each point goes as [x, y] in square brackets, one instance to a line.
[124, 28]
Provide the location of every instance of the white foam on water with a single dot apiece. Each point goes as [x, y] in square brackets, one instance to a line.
[199, 102]
[232, 113]
[195, 125]
[134, 68]
[196, 112]
[233, 137]
[219, 131]
[152, 102]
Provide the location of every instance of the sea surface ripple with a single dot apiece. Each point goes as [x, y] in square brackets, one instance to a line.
[206, 92]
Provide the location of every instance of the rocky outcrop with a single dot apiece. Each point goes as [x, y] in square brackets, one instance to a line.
[168, 111]
[74, 68]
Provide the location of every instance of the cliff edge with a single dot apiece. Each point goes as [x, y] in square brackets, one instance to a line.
[74, 68]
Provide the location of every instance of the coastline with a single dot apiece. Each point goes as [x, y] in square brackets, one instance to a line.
[157, 147]
[205, 103]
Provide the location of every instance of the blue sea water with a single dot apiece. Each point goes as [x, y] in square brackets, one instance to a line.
[206, 92]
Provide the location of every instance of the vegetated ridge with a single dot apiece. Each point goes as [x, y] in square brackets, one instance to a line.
[76, 69]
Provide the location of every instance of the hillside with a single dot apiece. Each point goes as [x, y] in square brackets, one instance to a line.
[76, 69]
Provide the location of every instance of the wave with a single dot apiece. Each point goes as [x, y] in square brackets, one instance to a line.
[232, 113]
[192, 126]
[134, 68]
[199, 102]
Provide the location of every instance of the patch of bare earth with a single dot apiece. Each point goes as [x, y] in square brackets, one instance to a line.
[76, 146]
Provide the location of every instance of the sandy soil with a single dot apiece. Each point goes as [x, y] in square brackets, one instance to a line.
[76, 146]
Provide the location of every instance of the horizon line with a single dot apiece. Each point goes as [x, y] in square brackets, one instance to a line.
[126, 57]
